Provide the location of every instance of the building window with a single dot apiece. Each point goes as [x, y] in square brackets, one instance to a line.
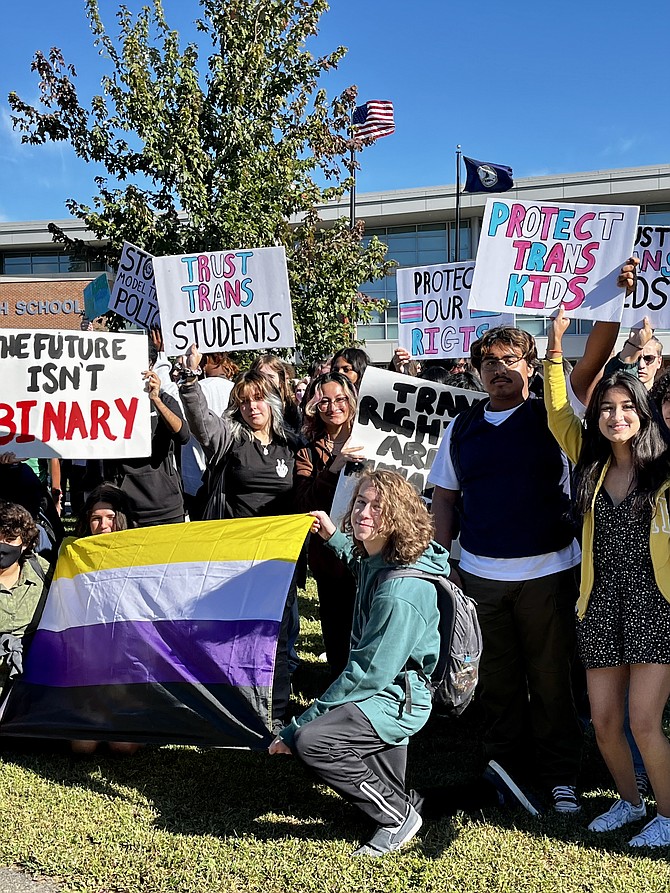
[409, 246]
[37, 263]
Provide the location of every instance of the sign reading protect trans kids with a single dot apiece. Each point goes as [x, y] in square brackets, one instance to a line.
[434, 320]
[73, 395]
[224, 300]
[535, 258]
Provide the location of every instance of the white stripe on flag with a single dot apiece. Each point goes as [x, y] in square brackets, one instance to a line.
[217, 590]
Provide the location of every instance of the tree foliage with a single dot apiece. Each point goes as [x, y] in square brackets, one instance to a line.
[218, 148]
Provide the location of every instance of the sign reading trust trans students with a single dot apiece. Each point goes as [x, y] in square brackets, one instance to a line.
[400, 423]
[225, 300]
[652, 289]
[434, 320]
[536, 257]
[134, 292]
[73, 395]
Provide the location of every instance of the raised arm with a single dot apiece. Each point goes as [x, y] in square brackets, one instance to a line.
[599, 345]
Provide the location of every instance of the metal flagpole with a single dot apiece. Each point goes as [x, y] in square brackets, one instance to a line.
[458, 203]
[352, 191]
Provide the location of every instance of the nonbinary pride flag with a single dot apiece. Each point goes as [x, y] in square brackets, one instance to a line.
[163, 634]
[373, 119]
[482, 176]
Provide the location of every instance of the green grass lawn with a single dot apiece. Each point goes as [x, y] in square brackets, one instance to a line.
[181, 819]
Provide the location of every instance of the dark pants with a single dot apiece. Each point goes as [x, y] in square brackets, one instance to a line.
[281, 682]
[336, 610]
[344, 750]
[528, 631]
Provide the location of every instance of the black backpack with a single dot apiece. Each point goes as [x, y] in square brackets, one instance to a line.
[453, 681]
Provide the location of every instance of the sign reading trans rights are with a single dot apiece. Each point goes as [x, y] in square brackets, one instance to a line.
[434, 319]
[535, 258]
[224, 300]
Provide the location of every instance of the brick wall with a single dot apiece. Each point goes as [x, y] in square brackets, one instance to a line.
[43, 304]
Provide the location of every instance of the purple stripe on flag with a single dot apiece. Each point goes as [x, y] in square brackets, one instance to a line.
[411, 311]
[210, 652]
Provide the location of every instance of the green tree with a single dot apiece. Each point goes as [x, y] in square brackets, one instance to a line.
[224, 153]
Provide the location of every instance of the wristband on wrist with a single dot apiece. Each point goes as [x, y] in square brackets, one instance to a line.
[634, 346]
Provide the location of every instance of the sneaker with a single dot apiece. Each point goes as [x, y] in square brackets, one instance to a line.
[565, 799]
[643, 784]
[656, 833]
[619, 814]
[387, 840]
[509, 792]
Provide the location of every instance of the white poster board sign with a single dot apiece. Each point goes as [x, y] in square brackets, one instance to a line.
[74, 395]
[652, 290]
[225, 300]
[134, 291]
[535, 257]
[434, 319]
[400, 423]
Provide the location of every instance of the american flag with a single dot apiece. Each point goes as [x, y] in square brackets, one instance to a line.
[373, 119]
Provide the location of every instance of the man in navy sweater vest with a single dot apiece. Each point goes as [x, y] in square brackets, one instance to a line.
[501, 478]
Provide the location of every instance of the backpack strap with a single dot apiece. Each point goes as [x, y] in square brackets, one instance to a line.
[36, 566]
[395, 573]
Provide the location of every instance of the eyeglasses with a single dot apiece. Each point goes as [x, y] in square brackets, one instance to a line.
[491, 363]
[648, 358]
[338, 403]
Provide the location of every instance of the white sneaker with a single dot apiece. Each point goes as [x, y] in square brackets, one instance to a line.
[656, 833]
[619, 814]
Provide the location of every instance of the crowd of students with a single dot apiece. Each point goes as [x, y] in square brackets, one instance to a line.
[533, 489]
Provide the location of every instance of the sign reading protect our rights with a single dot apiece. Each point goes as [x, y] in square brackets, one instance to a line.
[225, 300]
[434, 318]
[73, 395]
[534, 258]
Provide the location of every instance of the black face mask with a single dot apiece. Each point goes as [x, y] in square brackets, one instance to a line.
[9, 555]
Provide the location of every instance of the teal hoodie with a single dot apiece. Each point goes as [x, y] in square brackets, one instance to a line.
[392, 624]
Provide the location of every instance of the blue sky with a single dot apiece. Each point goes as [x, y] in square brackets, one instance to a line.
[545, 88]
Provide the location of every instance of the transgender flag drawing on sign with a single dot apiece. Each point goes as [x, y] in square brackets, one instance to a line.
[163, 634]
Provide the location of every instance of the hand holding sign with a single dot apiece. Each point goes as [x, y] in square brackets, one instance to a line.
[628, 275]
[349, 453]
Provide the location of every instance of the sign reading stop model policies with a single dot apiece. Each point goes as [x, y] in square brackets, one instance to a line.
[225, 300]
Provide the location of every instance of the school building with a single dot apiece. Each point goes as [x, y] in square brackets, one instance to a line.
[41, 286]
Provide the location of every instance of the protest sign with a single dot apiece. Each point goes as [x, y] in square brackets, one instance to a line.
[652, 289]
[534, 258]
[225, 300]
[434, 319]
[96, 297]
[134, 292]
[400, 423]
[74, 395]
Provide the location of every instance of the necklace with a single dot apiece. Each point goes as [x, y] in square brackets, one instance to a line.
[265, 449]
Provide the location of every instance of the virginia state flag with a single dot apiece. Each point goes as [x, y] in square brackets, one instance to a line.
[483, 176]
[163, 634]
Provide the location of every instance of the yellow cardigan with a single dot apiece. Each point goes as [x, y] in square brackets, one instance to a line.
[567, 429]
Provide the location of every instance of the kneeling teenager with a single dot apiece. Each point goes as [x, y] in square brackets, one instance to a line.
[354, 737]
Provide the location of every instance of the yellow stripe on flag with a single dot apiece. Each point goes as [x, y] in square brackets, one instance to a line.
[244, 539]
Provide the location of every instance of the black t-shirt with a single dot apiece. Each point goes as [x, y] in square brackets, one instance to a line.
[259, 479]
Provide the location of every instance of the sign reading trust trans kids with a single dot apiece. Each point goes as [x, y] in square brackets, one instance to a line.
[534, 258]
[225, 300]
[652, 288]
[73, 395]
[434, 319]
